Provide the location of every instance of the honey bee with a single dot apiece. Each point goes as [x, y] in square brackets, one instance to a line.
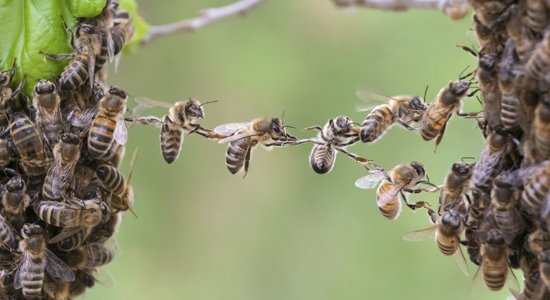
[36, 259]
[488, 85]
[15, 200]
[541, 128]
[182, 119]
[536, 16]
[65, 155]
[401, 109]
[115, 155]
[107, 229]
[83, 281]
[539, 63]
[6, 93]
[72, 242]
[7, 151]
[496, 146]
[536, 191]
[73, 217]
[534, 288]
[8, 240]
[494, 260]
[121, 32]
[119, 189]
[456, 185]
[28, 143]
[401, 179]
[109, 124]
[448, 228]
[336, 135]
[491, 13]
[46, 102]
[439, 112]
[523, 45]
[504, 200]
[243, 137]
[99, 255]
[509, 101]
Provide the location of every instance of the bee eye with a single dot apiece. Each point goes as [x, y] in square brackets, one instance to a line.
[275, 128]
[26, 230]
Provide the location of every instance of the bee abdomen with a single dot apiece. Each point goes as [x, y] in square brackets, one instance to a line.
[72, 242]
[447, 248]
[508, 114]
[51, 213]
[494, 279]
[236, 154]
[376, 123]
[75, 74]
[391, 209]
[322, 158]
[535, 192]
[171, 138]
[432, 122]
[111, 179]
[101, 138]
[544, 267]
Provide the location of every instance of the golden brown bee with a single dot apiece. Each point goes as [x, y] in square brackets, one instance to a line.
[488, 164]
[505, 197]
[494, 259]
[36, 260]
[15, 200]
[182, 119]
[46, 102]
[29, 144]
[448, 228]
[404, 110]
[401, 179]
[439, 112]
[243, 137]
[108, 125]
[456, 185]
[60, 174]
[336, 135]
[73, 217]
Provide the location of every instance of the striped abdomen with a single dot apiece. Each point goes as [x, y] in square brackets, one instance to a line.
[32, 276]
[57, 213]
[391, 208]
[171, 139]
[74, 241]
[539, 62]
[76, 73]
[510, 223]
[7, 238]
[495, 273]
[101, 137]
[111, 179]
[535, 192]
[103, 53]
[99, 255]
[235, 156]
[376, 123]
[5, 156]
[541, 130]
[544, 267]
[508, 110]
[433, 120]
[322, 158]
[447, 245]
[28, 143]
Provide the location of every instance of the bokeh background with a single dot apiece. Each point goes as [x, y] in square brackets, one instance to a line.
[285, 232]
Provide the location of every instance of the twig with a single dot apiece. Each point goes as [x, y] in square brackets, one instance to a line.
[207, 16]
[455, 9]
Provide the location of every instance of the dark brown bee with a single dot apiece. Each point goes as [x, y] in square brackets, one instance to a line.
[494, 260]
[29, 145]
[439, 112]
[60, 174]
[537, 16]
[509, 101]
[488, 164]
[539, 63]
[46, 102]
[404, 110]
[15, 200]
[505, 199]
[243, 137]
[456, 185]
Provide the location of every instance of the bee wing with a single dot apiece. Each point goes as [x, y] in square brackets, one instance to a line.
[91, 65]
[110, 45]
[236, 137]
[121, 131]
[420, 234]
[461, 261]
[229, 128]
[371, 180]
[65, 233]
[25, 265]
[148, 102]
[390, 195]
[57, 268]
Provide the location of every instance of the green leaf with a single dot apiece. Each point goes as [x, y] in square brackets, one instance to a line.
[31, 26]
[140, 25]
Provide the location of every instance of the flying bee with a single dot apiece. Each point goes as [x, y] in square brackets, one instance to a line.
[505, 197]
[243, 137]
[73, 217]
[36, 259]
[109, 124]
[401, 179]
[456, 185]
[404, 110]
[29, 144]
[447, 229]
[15, 200]
[60, 174]
[46, 102]
[439, 112]
[488, 164]
[336, 135]
[182, 119]
[494, 260]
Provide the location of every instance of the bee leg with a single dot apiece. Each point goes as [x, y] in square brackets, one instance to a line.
[207, 133]
[19, 87]
[430, 184]
[315, 127]
[57, 56]
[361, 160]
[440, 136]
[406, 126]
[404, 198]
[247, 161]
[290, 143]
[13, 68]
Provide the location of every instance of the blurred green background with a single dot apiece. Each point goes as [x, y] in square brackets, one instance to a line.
[285, 232]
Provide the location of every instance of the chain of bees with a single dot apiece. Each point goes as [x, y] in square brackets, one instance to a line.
[62, 195]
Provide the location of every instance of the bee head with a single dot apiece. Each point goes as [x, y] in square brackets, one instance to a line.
[493, 237]
[417, 104]
[30, 230]
[459, 87]
[115, 99]
[194, 109]
[418, 168]
[462, 169]
[342, 123]
[15, 184]
[451, 219]
[499, 137]
[4, 78]
[44, 87]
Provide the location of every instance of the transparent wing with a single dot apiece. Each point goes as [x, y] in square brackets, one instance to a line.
[110, 45]
[148, 102]
[390, 195]
[65, 233]
[461, 261]
[371, 180]
[420, 234]
[23, 268]
[121, 131]
[236, 137]
[57, 268]
[83, 119]
[230, 128]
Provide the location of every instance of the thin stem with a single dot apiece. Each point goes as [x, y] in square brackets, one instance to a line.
[455, 9]
[207, 16]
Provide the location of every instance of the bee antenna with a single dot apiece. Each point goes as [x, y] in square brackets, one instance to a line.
[289, 126]
[213, 101]
[425, 93]
[467, 158]
[283, 115]
[461, 74]
[357, 123]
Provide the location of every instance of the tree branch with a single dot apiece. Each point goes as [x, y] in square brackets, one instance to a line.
[207, 16]
[455, 9]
